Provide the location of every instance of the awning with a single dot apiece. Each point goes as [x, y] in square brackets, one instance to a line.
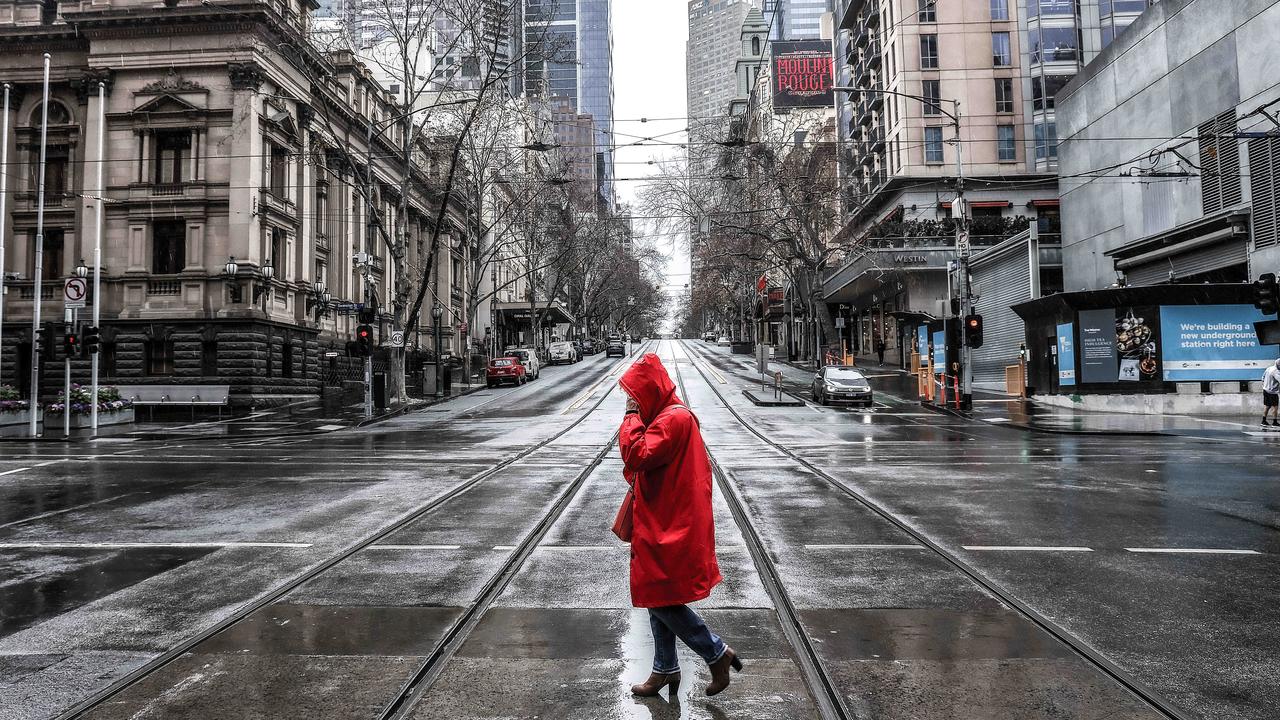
[555, 314]
[1210, 243]
[1044, 203]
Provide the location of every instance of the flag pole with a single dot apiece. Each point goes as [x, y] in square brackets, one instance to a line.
[34, 405]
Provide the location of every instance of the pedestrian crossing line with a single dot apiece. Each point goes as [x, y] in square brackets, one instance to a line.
[1194, 551]
[1030, 548]
[865, 546]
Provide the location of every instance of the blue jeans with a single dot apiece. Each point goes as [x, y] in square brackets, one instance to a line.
[674, 621]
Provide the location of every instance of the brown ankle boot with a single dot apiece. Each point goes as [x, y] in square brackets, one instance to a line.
[656, 682]
[720, 671]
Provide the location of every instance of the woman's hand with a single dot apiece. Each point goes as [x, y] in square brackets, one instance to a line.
[632, 405]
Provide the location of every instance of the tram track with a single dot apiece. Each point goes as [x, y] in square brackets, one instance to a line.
[413, 689]
[822, 689]
[1079, 647]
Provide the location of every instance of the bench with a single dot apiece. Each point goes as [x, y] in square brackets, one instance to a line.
[192, 396]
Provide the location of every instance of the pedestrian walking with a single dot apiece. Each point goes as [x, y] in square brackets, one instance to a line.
[673, 544]
[880, 351]
[1271, 395]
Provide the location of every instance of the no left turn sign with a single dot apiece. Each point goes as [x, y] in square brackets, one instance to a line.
[74, 291]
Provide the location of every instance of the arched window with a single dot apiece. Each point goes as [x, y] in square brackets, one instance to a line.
[755, 45]
[58, 114]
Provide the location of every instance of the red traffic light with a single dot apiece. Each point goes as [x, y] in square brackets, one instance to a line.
[973, 322]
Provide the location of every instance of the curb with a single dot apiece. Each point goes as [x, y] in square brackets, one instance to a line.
[793, 402]
[161, 437]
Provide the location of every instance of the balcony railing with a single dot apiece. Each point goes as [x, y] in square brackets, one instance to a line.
[163, 287]
[166, 189]
[28, 292]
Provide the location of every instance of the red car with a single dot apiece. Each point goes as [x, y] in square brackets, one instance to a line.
[505, 369]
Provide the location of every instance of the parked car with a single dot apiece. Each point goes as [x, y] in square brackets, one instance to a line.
[562, 352]
[580, 347]
[615, 346]
[528, 357]
[841, 384]
[709, 337]
[505, 370]
[724, 340]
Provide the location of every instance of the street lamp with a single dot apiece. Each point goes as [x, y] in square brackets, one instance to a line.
[436, 313]
[266, 272]
[229, 272]
[318, 299]
[82, 270]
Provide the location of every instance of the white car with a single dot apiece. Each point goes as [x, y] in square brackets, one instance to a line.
[529, 359]
[562, 352]
[723, 341]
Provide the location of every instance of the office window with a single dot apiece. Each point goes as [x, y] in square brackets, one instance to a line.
[1053, 44]
[1006, 147]
[1000, 55]
[932, 91]
[158, 357]
[1004, 95]
[1000, 9]
[171, 150]
[1046, 141]
[278, 259]
[168, 246]
[928, 11]
[933, 145]
[929, 52]
[51, 259]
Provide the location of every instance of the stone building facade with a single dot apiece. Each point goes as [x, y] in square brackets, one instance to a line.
[230, 141]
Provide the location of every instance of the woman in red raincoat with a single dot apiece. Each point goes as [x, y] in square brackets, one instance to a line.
[673, 543]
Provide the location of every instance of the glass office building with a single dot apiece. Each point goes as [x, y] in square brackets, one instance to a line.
[796, 19]
[570, 55]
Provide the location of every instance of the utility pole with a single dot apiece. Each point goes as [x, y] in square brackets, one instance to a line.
[97, 253]
[960, 213]
[34, 403]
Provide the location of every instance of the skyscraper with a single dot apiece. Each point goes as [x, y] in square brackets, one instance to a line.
[569, 54]
[715, 27]
[796, 19]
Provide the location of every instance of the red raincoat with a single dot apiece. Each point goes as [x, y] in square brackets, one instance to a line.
[673, 542]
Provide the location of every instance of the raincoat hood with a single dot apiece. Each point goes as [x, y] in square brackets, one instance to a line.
[648, 383]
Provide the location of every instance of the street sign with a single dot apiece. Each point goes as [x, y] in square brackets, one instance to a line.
[396, 339]
[74, 292]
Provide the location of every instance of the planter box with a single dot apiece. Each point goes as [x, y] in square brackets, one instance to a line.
[118, 417]
[14, 424]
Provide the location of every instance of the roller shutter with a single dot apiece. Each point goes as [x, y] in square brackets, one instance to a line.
[1003, 282]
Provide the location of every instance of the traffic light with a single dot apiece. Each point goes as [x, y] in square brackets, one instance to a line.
[44, 341]
[367, 314]
[1266, 294]
[92, 340]
[973, 331]
[71, 346]
[364, 340]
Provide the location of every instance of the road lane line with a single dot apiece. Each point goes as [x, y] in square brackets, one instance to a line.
[32, 467]
[414, 547]
[1194, 551]
[504, 547]
[582, 547]
[865, 547]
[118, 545]
[1031, 548]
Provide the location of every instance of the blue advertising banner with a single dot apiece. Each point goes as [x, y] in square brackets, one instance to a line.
[1066, 354]
[940, 352]
[1213, 342]
[922, 343]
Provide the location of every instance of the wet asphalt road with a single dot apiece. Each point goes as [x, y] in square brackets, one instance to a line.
[114, 553]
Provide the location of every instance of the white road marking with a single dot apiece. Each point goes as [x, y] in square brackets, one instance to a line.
[504, 547]
[1032, 548]
[113, 440]
[32, 467]
[582, 547]
[865, 547]
[414, 547]
[330, 427]
[117, 545]
[1194, 551]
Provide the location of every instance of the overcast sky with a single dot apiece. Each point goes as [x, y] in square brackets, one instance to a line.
[648, 82]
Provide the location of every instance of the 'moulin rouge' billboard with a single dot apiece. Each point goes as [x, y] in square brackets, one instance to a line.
[803, 73]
